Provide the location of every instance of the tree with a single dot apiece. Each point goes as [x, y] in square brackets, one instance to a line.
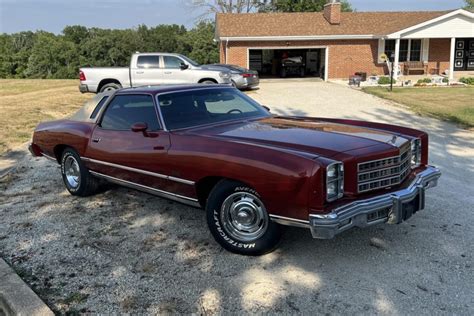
[52, 57]
[227, 6]
[75, 33]
[469, 4]
[200, 43]
[299, 6]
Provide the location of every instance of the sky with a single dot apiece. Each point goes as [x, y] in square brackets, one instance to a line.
[54, 15]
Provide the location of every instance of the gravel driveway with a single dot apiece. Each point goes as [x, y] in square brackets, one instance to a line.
[125, 251]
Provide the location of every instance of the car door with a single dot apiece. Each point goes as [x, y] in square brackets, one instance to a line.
[147, 71]
[173, 73]
[133, 157]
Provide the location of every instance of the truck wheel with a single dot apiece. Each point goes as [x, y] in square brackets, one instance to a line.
[76, 176]
[110, 87]
[238, 220]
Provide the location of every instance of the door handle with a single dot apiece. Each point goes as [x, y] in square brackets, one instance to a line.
[139, 72]
[168, 72]
[95, 140]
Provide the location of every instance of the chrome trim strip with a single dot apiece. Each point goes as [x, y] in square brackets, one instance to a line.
[49, 157]
[148, 173]
[173, 196]
[288, 221]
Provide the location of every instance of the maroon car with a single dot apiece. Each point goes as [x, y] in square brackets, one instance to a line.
[216, 148]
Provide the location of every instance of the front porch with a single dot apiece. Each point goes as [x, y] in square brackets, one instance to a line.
[436, 59]
[442, 46]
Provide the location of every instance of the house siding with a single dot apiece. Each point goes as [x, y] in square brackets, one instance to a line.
[345, 56]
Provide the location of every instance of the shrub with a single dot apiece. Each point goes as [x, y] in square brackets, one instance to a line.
[467, 80]
[445, 80]
[385, 80]
[424, 80]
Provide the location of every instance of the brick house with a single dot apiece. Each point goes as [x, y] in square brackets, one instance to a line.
[335, 44]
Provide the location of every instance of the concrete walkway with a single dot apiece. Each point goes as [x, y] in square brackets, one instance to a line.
[16, 298]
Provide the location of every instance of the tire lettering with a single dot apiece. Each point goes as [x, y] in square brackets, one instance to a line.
[227, 238]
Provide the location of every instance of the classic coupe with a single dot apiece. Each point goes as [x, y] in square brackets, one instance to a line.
[213, 147]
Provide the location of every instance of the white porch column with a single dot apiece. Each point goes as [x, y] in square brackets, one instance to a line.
[451, 58]
[396, 58]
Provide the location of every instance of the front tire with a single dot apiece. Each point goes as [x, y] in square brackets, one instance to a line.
[76, 176]
[238, 220]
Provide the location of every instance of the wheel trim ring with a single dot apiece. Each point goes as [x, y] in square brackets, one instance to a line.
[244, 217]
[72, 172]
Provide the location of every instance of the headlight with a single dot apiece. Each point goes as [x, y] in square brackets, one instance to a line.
[415, 152]
[224, 75]
[334, 181]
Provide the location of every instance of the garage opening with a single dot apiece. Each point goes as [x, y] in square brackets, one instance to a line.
[285, 63]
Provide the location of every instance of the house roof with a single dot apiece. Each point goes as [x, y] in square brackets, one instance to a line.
[314, 23]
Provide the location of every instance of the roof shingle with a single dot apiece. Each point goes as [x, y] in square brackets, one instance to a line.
[314, 23]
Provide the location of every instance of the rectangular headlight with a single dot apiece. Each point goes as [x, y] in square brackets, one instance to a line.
[334, 181]
[415, 152]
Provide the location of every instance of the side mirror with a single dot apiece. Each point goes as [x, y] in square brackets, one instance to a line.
[183, 66]
[266, 108]
[140, 127]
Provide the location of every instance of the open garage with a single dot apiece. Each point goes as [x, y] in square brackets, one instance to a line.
[288, 62]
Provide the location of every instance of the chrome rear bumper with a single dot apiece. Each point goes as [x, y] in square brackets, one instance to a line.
[393, 208]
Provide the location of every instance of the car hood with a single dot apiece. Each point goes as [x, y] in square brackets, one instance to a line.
[213, 67]
[305, 135]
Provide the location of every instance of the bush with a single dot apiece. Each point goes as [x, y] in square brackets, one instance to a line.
[467, 80]
[445, 80]
[386, 80]
[424, 80]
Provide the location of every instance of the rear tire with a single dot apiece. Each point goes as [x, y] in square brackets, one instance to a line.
[208, 82]
[110, 87]
[76, 176]
[238, 220]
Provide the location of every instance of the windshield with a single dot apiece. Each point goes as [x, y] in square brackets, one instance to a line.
[189, 61]
[204, 106]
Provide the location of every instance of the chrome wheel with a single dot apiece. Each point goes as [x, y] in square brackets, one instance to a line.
[72, 172]
[244, 217]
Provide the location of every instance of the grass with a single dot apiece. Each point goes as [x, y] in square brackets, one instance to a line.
[24, 103]
[455, 104]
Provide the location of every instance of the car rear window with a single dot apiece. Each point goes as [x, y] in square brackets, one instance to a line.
[148, 61]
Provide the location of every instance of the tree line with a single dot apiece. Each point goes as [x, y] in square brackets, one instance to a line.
[42, 54]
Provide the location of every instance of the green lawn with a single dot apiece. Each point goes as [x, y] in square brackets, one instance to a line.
[455, 104]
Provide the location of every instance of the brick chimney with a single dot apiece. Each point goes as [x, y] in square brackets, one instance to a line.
[332, 12]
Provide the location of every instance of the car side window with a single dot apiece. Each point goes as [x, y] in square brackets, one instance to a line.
[98, 107]
[125, 110]
[148, 61]
[172, 62]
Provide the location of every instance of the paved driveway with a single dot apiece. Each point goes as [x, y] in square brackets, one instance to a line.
[126, 251]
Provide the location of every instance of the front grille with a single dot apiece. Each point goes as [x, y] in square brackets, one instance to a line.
[383, 173]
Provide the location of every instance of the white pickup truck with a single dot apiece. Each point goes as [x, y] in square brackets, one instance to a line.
[151, 69]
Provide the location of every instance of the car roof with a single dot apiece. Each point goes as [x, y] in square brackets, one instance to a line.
[170, 88]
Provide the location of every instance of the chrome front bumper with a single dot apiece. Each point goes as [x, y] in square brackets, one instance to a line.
[392, 208]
